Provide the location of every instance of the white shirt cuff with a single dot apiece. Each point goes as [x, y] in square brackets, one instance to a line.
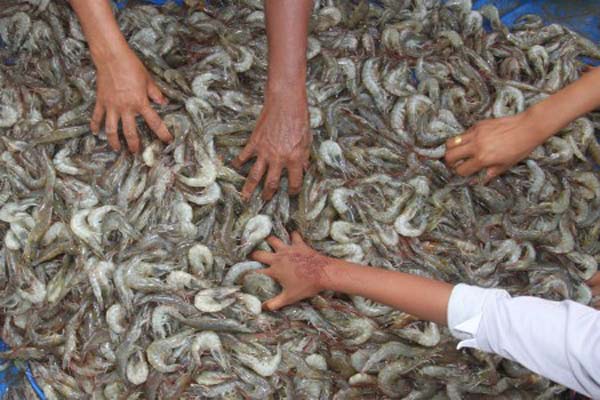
[465, 309]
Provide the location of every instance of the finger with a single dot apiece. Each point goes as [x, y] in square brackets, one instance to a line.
[96, 120]
[458, 140]
[491, 173]
[265, 271]
[246, 153]
[596, 291]
[595, 280]
[469, 167]
[263, 257]
[156, 124]
[458, 153]
[297, 238]
[295, 179]
[306, 165]
[254, 177]
[276, 302]
[276, 243]
[155, 94]
[110, 126]
[130, 131]
[272, 181]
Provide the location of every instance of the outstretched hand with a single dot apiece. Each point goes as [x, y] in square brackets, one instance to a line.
[300, 270]
[494, 144]
[280, 140]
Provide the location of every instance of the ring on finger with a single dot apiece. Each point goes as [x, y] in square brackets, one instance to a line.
[458, 140]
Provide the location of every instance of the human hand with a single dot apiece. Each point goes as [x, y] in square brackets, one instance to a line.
[300, 270]
[281, 139]
[494, 144]
[123, 86]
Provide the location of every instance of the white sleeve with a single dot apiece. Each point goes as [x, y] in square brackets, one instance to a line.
[558, 340]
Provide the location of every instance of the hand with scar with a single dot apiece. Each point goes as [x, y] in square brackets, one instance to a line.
[299, 269]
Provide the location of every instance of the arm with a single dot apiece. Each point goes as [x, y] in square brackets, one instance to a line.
[560, 340]
[498, 144]
[282, 138]
[312, 273]
[123, 84]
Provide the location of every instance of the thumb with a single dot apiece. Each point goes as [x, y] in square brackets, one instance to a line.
[276, 302]
[155, 94]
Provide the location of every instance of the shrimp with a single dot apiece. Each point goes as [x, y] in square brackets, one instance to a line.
[200, 259]
[209, 341]
[137, 368]
[255, 231]
[159, 352]
[207, 300]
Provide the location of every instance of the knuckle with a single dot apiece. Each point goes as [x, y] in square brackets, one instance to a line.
[152, 118]
[272, 186]
[252, 180]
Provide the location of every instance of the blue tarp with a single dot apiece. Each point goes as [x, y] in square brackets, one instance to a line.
[10, 374]
[122, 3]
[582, 16]
[579, 15]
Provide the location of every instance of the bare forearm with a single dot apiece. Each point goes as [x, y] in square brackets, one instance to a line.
[287, 35]
[100, 28]
[576, 99]
[421, 297]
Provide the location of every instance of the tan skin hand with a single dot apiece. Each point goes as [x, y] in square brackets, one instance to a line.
[299, 269]
[493, 144]
[281, 140]
[124, 87]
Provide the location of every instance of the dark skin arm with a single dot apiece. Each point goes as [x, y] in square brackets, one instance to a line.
[304, 273]
[498, 144]
[124, 87]
[281, 139]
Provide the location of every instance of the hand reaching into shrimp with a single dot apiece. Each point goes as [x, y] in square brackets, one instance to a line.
[280, 140]
[282, 137]
[494, 145]
[123, 85]
[298, 268]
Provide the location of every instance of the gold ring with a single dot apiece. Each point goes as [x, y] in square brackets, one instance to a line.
[458, 140]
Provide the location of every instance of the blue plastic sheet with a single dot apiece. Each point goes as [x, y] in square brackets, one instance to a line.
[582, 16]
[10, 375]
[122, 3]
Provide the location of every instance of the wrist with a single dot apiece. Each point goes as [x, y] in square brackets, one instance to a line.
[329, 279]
[540, 123]
[286, 89]
[109, 51]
